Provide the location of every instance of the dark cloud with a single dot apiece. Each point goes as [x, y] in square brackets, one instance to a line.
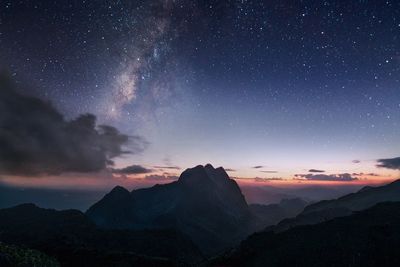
[356, 161]
[133, 169]
[392, 163]
[230, 170]
[269, 171]
[35, 138]
[325, 177]
[258, 167]
[167, 167]
[315, 170]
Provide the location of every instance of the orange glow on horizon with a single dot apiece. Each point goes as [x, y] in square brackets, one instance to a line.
[106, 180]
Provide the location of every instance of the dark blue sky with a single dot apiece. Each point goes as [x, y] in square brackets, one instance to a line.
[290, 85]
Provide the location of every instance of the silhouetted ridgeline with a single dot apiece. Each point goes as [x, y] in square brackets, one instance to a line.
[204, 204]
[366, 238]
[74, 240]
[203, 215]
[343, 206]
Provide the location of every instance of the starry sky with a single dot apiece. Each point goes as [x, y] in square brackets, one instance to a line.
[298, 90]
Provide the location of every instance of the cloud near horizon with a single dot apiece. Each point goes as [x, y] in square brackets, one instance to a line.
[167, 167]
[163, 177]
[36, 139]
[132, 169]
[259, 179]
[315, 170]
[391, 163]
[365, 174]
[258, 167]
[345, 177]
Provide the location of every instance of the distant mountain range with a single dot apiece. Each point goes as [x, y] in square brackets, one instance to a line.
[267, 193]
[343, 206]
[273, 213]
[366, 238]
[359, 229]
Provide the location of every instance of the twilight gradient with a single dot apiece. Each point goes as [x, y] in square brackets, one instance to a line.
[288, 86]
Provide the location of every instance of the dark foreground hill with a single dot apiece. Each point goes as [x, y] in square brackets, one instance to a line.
[366, 238]
[13, 256]
[71, 238]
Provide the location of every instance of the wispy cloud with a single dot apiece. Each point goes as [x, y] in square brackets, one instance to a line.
[258, 167]
[345, 177]
[133, 169]
[156, 177]
[167, 167]
[365, 174]
[315, 170]
[258, 179]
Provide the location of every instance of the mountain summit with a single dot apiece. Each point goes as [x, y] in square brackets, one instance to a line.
[205, 204]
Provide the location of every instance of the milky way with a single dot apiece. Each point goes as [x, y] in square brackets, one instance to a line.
[96, 55]
[146, 46]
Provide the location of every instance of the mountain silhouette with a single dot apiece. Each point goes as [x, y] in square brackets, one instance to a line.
[366, 238]
[204, 204]
[201, 214]
[364, 198]
[74, 240]
[273, 213]
[343, 206]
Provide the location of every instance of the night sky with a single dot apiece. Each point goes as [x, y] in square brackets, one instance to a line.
[268, 89]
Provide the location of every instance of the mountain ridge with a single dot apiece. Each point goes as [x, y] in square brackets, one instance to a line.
[342, 206]
[369, 237]
[204, 203]
[72, 238]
